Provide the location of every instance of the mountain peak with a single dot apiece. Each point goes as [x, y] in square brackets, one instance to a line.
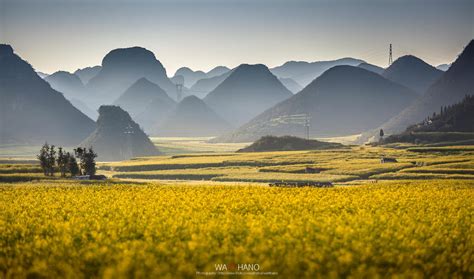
[124, 56]
[216, 71]
[123, 67]
[143, 82]
[111, 114]
[412, 72]
[252, 67]
[410, 60]
[256, 73]
[144, 87]
[189, 76]
[345, 71]
[5, 50]
[139, 95]
[247, 91]
[304, 72]
[118, 137]
[65, 75]
[191, 99]
[469, 49]
[186, 70]
[465, 60]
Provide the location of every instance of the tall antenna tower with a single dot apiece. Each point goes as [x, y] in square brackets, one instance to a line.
[390, 58]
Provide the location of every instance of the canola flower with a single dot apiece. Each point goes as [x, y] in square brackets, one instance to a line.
[410, 229]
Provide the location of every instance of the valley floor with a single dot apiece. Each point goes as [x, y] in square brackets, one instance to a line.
[188, 214]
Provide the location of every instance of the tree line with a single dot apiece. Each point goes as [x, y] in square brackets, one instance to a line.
[52, 160]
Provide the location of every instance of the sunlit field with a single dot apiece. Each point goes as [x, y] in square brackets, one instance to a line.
[179, 145]
[339, 166]
[403, 228]
[187, 215]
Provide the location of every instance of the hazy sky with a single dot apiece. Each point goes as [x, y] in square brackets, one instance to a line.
[71, 34]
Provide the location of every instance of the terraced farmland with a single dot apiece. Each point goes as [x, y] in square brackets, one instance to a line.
[341, 166]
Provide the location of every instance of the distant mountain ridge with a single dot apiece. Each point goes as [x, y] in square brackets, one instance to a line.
[344, 100]
[305, 72]
[68, 84]
[443, 67]
[73, 89]
[31, 111]
[217, 71]
[87, 73]
[190, 76]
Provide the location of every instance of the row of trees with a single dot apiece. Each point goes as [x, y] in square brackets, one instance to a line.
[52, 160]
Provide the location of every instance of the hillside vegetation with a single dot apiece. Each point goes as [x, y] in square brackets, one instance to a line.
[452, 124]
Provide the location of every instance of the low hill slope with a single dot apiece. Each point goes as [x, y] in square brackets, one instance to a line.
[287, 143]
[117, 137]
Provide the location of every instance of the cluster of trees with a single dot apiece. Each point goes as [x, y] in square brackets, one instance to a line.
[449, 114]
[52, 160]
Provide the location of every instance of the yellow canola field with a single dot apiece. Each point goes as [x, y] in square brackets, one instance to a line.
[399, 228]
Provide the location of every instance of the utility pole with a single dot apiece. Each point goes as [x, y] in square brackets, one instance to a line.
[390, 58]
[128, 152]
[307, 124]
